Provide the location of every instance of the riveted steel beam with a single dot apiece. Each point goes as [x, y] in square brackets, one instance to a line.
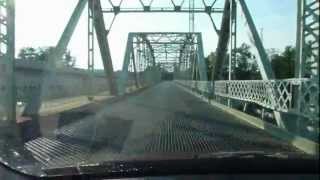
[264, 61]
[7, 62]
[33, 104]
[125, 67]
[102, 33]
[69, 30]
[150, 49]
[202, 66]
[307, 45]
[222, 47]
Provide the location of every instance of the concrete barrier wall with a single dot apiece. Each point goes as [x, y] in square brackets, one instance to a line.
[32, 78]
[58, 84]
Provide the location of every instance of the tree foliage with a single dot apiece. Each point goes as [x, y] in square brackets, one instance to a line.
[41, 54]
[246, 67]
[283, 63]
[210, 62]
[28, 53]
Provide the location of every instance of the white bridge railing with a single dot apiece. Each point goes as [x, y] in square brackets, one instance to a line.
[279, 95]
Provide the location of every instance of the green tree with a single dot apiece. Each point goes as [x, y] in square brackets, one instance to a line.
[42, 54]
[28, 53]
[283, 63]
[210, 62]
[68, 60]
[246, 67]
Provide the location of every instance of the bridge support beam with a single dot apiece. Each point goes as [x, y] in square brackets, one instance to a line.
[307, 56]
[264, 62]
[125, 67]
[69, 30]
[136, 78]
[307, 45]
[33, 103]
[102, 34]
[233, 39]
[7, 64]
[222, 47]
[150, 49]
[200, 59]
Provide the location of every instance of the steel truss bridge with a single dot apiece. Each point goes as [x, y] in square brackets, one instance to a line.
[294, 103]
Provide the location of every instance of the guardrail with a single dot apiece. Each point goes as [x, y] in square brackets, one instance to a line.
[296, 96]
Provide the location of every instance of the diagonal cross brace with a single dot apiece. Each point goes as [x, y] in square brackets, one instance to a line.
[263, 62]
[102, 34]
[34, 103]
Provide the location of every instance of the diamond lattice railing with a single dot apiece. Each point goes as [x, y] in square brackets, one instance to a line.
[277, 95]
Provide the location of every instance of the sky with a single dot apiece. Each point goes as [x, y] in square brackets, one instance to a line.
[40, 23]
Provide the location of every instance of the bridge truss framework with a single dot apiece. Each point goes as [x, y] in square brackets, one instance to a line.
[174, 52]
[307, 48]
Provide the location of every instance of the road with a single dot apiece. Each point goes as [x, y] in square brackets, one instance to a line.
[164, 119]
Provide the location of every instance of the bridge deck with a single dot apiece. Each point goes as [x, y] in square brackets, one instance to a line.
[162, 119]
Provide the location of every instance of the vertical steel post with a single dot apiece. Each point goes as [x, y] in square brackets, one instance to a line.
[150, 49]
[102, 38]
[224, 37]
[91, 35]
[200, 58]
[299, 65]
[307, 50]
[233, 37]
[300, 41]
[230, 45]
[233, 40]
[7, 70]
[307, 57]
[7, 61]
[134, 67]
[191, 15]
[125, 66]
[193, 66]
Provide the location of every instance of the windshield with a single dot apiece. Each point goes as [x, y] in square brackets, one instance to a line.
[91, 81]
